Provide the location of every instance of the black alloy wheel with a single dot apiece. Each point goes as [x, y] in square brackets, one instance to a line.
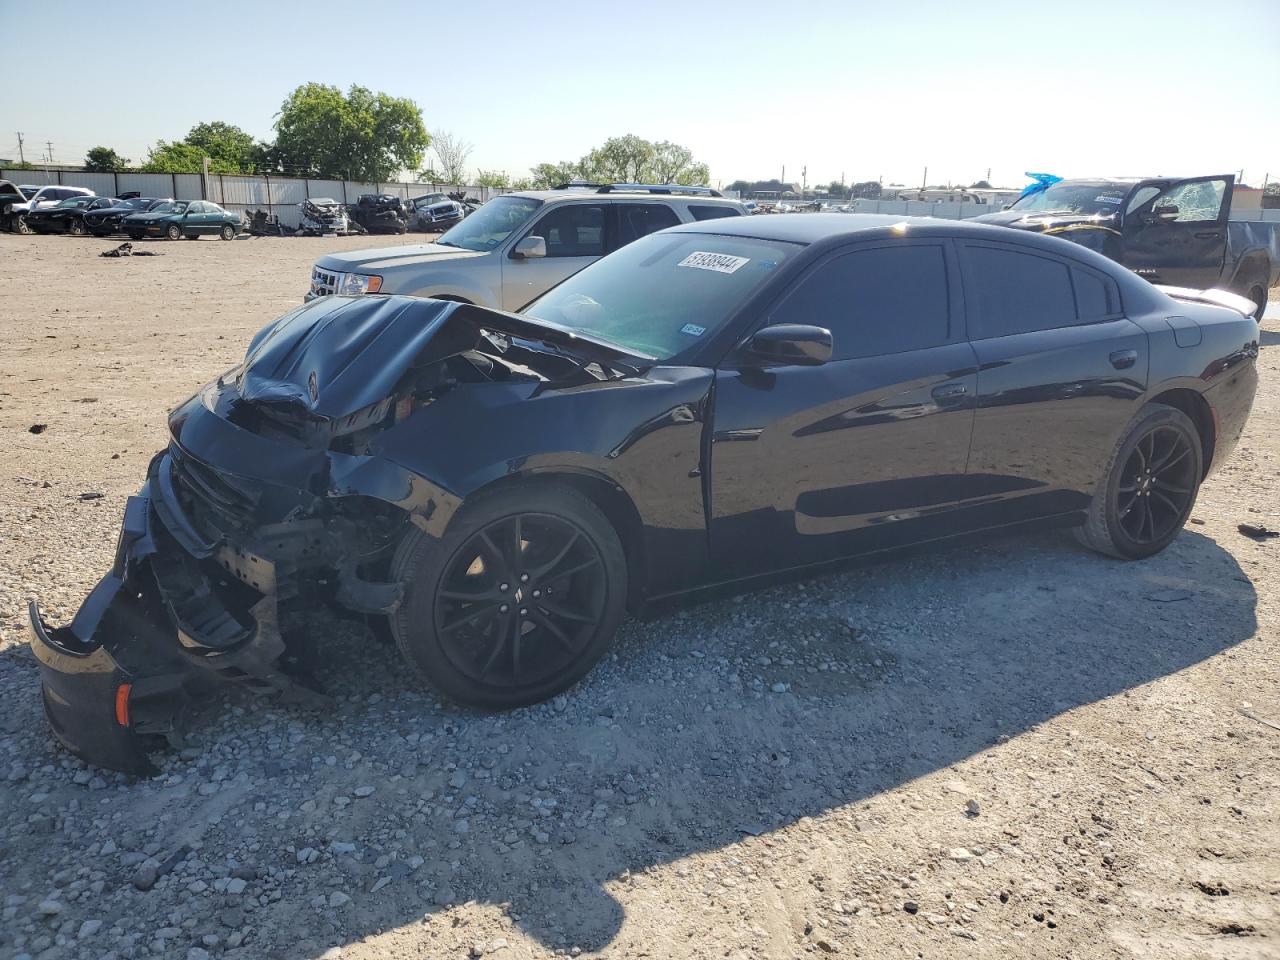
[1149, 488]
[519, 599]
[76, 228]
[1157, 486]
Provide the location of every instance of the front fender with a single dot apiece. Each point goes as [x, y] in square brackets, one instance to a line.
[643, 436]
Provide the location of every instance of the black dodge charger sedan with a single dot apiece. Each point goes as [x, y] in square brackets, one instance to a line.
[67, 216]
[713, 404]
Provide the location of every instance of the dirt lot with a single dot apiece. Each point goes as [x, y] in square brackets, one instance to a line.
[1014, 749]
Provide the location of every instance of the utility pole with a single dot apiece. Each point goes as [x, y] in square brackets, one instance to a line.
[22, 157]
[988, 174]
[782, 184]
[49, 144]
[924, 183]
[804, 180]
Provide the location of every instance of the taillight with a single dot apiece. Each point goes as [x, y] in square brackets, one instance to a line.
[122, 703]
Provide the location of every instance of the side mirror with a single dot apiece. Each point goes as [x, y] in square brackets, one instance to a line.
[1166, 213]
[529, 248]
[791, 344]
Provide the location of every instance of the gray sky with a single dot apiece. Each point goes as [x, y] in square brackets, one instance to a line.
[1073, 88]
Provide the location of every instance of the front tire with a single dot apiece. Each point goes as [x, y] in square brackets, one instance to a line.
[20, 225]
[227, 232]
[174, 232]
[517, 602]
[76, 228]
[1149, 487]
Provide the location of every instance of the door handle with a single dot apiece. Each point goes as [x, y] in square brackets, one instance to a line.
[1124, 359]
[949, 391]
[1208, 235]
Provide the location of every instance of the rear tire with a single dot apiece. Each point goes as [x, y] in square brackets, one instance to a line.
[549, 580]
[1149, 486]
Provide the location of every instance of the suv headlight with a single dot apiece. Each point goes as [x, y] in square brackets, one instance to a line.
[354, 284]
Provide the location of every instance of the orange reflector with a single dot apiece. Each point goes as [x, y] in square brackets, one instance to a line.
[122, 704]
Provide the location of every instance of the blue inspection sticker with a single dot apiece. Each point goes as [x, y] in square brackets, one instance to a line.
[693, 330]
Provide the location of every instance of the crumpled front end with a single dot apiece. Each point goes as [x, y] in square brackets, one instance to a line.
[282, 491]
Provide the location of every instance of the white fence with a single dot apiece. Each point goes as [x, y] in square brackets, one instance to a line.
[278, 196]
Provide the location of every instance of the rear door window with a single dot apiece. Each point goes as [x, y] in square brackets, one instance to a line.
[876, 301]
[1012, 292]
[636, 220]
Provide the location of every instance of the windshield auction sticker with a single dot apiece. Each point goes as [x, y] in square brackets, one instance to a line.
[718, 262]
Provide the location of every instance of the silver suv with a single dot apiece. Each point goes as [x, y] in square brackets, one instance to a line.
[519, 245]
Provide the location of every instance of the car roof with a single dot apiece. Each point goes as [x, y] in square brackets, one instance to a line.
[831, 228]
[596, 196]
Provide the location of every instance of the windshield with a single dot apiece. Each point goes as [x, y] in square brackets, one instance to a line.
[76, 202]
[170, 207]
[1075, 198]
[138, 203]
[491, 224]
[665, 293]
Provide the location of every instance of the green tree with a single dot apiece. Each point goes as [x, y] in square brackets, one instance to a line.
[627, 159]
[359, 135]
[178, 157]
[492, 178]
[620, 160]
[430, 175]
[548, 175]
[225, 144]
[104, 160]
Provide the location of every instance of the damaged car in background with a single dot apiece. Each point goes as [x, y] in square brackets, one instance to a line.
[319, 216]
[712, 404]
[379, 213]
[1167, 230]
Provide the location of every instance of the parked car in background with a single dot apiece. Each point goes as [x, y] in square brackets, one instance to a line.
[10, 193]
[46, 196]
[436, 212]
[520, 244]
[107, 220]
[183, 220]
[1167, 230]
[713, 403]
[67, 216]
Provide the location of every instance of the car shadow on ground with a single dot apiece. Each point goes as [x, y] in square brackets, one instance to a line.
[682, 742]
[727, 720]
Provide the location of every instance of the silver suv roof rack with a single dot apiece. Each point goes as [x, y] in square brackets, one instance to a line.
[669, 188]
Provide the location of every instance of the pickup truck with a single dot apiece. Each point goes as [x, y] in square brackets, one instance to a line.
[1173, 231]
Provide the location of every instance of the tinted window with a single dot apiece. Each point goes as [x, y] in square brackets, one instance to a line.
[1017, 293]
[878, 301]
[1095, 298]
[572, 230]
[712, 213]
[636, 220]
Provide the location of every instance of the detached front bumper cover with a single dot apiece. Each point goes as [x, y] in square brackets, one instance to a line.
[120, 678]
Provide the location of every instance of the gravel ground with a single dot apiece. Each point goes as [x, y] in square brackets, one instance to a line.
[1012, 749]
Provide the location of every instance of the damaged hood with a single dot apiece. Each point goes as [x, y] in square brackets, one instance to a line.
[384, 258]
[338, 355]
[1047, 221]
